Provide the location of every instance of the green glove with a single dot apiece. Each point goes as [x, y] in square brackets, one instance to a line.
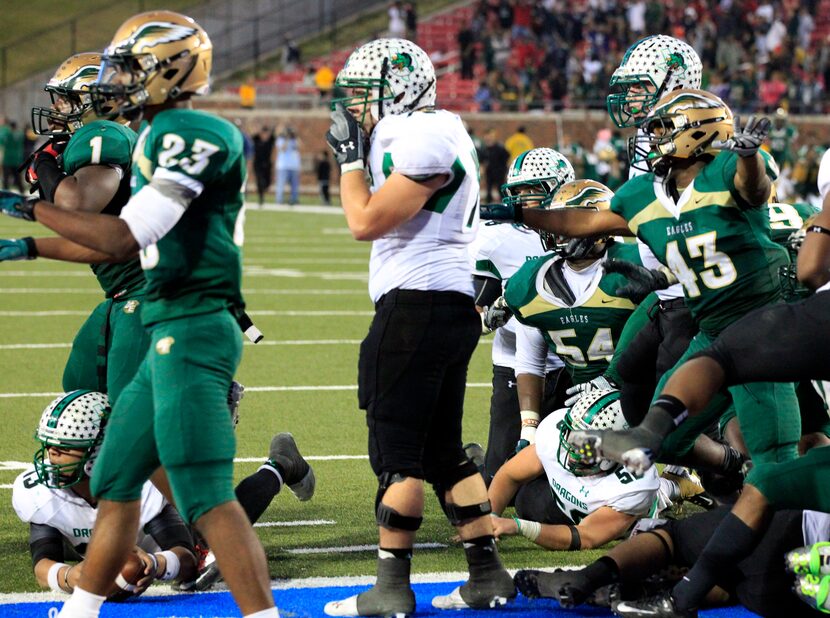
[17, 249]
[501, 212]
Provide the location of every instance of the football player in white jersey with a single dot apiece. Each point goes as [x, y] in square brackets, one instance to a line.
[499, 251]
[420, 209]
[572, 506]
[54, 498]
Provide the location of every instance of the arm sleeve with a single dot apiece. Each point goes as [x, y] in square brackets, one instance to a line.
[531, 351]
[487, 290]
[168, 530]
[150, 214]
[634, 325]
[45, 542]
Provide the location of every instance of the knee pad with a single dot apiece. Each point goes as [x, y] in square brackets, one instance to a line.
[386, 516]
[459, 514]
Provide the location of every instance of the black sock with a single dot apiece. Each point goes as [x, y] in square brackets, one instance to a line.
[601, 573]
[664, 415]
[732, 541]
[482, 555]
[256, 492]
[393, 567]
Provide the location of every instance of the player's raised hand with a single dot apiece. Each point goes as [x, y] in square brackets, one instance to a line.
[345, 138]
[746, 141]
[17, 249]
[16, 205]
[599, 383]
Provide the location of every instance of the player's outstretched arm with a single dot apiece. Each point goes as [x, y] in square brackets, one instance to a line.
[576, 223]
[516, 471]
[751, 180]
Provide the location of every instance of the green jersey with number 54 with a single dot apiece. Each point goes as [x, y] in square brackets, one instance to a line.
[108, 143]
[197, 266]
[583, 329]
[717, 246]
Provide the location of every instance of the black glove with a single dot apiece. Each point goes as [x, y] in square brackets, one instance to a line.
[642, 281]
[345, 138]
[496, 315]
[747, 140]
[501, 212]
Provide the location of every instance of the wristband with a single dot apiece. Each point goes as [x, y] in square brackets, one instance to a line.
[155, 568]
[530, 421]
[817, 229]
[66, 583]
[52, 576]
[172, 567]
[31, 247]
[350, 167]
[528, 529]
[576, 540]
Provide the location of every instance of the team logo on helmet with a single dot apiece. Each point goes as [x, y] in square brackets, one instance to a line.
[676, 63]
[403, 64]
[167, 33]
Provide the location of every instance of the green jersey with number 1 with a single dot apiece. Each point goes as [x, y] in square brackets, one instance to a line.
[104, 142]
[717, 246]
[196, 267]
[582, 333]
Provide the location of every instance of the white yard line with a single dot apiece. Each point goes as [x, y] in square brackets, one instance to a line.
[264, 342]
[293, 524]
[352, 549]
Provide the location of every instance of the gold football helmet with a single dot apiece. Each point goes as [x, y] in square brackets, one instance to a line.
[154, 58]
[586, 195]
[71, 102]
[683, 125]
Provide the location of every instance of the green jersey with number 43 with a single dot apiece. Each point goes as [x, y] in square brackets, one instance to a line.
[108, 143]
[196, 267]
[717, 246]
[582, 330]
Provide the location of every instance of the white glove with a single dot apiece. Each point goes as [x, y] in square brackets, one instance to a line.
[496, 315]
[600, 383]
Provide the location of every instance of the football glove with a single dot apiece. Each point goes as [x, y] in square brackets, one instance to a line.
[52, 149]
[600, 383]
[17, 206]
[501, 212]
[235, 394]
[746, 141]
[345, 138]
[496, 315]
[17, 249]
[642, 281]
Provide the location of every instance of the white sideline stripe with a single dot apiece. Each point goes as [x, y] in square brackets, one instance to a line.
[252, 207]
[353, 549]
[260, 389]
[248, 271]
[288, 292]
[291, 524]
[265, 342]
[303, 314]
[162, 590]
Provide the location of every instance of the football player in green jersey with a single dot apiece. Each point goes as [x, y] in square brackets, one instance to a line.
[185, 217]
[86, 166]
[702, 210]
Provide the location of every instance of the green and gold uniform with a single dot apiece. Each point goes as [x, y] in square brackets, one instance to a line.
[720, 249]
[110, 345]
[582, 333]
[174, 412]
[780, 144]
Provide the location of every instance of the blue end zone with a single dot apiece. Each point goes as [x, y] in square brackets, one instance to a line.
[307, 602]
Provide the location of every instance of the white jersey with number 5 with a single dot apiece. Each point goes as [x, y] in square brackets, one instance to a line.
[579, 496]
[429, 251]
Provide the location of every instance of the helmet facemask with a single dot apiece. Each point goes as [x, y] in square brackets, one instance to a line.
[73, 421]
[599, 409]
[631, 98]
[71, 104]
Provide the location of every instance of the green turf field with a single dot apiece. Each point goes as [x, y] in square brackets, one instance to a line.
[305, 284]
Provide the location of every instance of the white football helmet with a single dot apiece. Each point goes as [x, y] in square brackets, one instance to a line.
[73, 420]
[391, 76]
[543, 168]
[596, 409]
[656, 65]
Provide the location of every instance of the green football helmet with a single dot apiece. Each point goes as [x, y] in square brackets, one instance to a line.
[596, 409]
[74, 420]
[544, 170]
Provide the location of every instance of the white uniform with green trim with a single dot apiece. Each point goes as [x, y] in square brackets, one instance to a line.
[579, 496]
[429, 251]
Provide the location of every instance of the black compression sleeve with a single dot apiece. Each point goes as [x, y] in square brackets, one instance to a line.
[49, 176]
[168, 530]
[45, 542]
[487, 290]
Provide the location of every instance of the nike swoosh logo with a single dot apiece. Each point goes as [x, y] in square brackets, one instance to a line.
[605, 302]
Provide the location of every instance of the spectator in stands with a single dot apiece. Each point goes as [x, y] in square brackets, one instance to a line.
[324, 81]
[411, 19]
[288, 165]
[518, 143]
[263, 160]
[772, 91]
[290, 55]
[467, 50]
[497, 160]
[397, 25]
[484, 97]
[636, 15]
[322, 167]
[13, 157]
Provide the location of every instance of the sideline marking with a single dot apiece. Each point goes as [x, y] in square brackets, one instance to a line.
[291, 524]
[353, 549]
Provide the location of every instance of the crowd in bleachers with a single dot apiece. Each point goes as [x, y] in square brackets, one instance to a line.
[551, 54]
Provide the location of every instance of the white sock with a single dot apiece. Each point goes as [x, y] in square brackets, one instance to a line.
[82, 604]
[265, 613]
[676, 470]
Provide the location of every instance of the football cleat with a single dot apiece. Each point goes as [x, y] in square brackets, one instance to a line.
[691, 489]
[814, 591]
[811, 560]
[475, 453]
[658, 606]
[453, 600]
[560, 585]
[297, 474]
[488, 591]
[636, 448]
[374, 602]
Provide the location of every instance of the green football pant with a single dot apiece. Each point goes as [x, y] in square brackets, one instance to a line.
[108, 348]
[175, 414]
[767, 411]
[798, 484]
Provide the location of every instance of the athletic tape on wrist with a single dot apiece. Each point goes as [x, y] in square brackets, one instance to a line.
[52, 576]
[350, 167]
[172, 566]
[528, 529]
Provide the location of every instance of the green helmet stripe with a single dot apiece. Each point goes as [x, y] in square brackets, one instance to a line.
[598, 405]
[55, 416]
[518, 164]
